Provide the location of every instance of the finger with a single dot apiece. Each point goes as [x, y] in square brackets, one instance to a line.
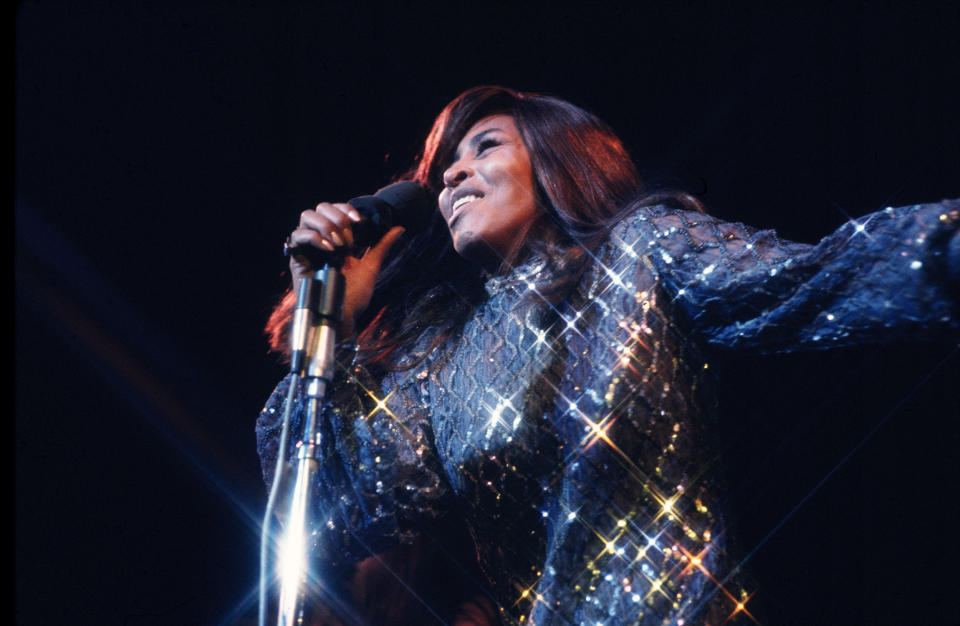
[352, 216]
[349, 211]
[340, 215]
[304, 237]
[329, 223]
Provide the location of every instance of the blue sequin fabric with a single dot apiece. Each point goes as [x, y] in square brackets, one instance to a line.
[575, 441]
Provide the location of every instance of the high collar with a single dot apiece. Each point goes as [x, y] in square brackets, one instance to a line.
[521, 273]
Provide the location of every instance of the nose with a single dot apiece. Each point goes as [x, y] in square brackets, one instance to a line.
[456, 174]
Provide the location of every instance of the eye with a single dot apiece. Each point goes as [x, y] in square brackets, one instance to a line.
[486, 143]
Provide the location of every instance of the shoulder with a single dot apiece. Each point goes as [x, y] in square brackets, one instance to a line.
[663, 222]
[677, 240]
[663, 234]
[657, 225]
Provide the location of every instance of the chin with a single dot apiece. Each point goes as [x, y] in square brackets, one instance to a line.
[466, 244]
[477, 251]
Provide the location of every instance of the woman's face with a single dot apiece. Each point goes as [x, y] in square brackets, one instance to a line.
[488, 198]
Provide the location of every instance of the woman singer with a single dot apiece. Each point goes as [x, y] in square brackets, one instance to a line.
[532, 368]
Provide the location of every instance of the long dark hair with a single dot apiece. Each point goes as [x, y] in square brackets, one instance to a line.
[585, 183]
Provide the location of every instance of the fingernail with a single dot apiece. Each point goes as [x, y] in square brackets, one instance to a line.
[336, 238]
[354, 215]
[327, 245]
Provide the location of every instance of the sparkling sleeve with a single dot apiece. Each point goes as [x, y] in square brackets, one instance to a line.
[885, 276]
[378, 483]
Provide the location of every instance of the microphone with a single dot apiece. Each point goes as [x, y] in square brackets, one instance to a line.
[406, 204]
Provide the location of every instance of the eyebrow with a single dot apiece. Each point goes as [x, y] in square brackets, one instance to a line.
[475, 140]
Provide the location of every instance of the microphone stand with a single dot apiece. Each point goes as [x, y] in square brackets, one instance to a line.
[313, 337]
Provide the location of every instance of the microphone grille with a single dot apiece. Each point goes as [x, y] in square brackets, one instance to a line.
[412, 203]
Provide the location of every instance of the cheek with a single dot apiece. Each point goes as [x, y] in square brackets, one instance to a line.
[516, 184]
[524, 198]
[526, 184]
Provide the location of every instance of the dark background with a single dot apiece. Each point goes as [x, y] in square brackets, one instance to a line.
[164, 150]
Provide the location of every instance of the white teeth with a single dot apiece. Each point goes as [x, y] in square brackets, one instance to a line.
[463, 200]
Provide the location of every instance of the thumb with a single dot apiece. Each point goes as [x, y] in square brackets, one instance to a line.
[375, 255]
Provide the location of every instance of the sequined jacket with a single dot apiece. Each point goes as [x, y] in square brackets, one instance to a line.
[573, 440]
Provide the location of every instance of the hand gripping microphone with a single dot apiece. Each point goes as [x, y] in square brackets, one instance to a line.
[404, 204]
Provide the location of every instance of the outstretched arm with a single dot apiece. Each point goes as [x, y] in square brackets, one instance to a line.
[885, 276]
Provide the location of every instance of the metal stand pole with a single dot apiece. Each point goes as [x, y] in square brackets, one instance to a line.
[318, 314]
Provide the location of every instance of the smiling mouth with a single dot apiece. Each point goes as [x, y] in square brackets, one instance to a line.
[462, 200]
